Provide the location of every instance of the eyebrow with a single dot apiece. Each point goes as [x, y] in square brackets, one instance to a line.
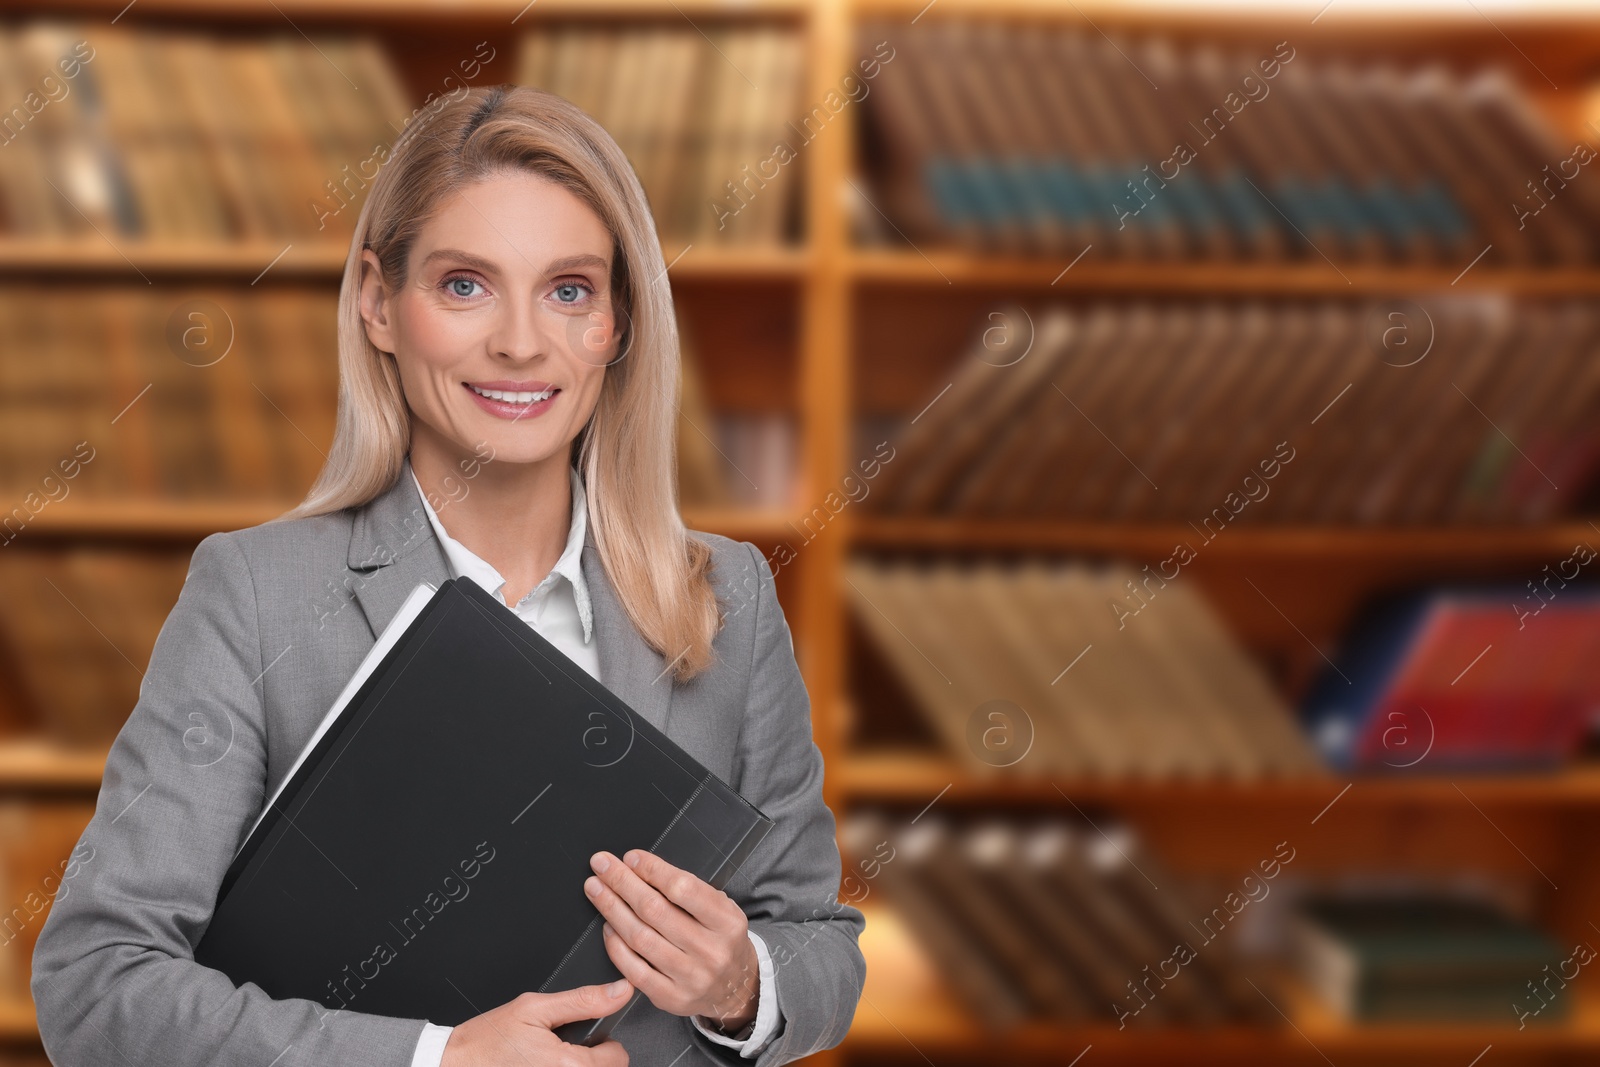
[585, 259]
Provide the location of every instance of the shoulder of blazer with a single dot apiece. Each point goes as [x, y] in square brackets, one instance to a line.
[732, 562]
[319, 541]
[737, 569]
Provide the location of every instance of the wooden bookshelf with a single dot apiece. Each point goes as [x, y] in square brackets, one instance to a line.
[907, 1014]
[913, 777]
[1042, 275]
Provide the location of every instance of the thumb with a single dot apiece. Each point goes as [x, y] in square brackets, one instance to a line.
[551, 1010]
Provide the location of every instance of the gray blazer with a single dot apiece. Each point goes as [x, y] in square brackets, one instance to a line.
[271, 623]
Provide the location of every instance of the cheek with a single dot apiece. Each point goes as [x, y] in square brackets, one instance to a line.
[432, 336]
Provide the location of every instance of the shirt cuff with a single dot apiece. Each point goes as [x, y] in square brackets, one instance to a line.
[766, 1020]
[430, 1046]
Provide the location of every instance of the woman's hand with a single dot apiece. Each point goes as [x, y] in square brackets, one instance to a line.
[682, 943]
[518, 1032]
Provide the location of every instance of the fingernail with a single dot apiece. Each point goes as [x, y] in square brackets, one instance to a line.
[599, 862]
[591, 885]
[617, 988]
[633, 859]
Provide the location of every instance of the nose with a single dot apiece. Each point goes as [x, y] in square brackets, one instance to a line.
[518, 333]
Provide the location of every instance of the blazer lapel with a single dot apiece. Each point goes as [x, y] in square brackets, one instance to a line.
[393, 547]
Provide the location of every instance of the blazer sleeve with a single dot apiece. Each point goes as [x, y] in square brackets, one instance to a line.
[789, 886]
[114, 978]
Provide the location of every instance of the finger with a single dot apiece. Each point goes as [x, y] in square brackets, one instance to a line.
[663, 953]
[574, 1005]
[674, 923]
[608, 1054]
[634, 967]
[687, 890]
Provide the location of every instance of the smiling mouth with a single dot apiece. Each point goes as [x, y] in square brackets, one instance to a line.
[508, 396]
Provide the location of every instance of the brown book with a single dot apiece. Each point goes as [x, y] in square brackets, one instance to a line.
[1084, 447]
[1129, 413]
[701, 480]
[901, 133]
[1029, 443]
[982, 981]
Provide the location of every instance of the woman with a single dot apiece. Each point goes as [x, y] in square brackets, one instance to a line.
[507, 411]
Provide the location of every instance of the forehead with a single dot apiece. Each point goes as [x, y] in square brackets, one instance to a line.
[518, 220]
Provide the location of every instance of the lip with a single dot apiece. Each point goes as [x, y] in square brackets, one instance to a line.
[503, 409]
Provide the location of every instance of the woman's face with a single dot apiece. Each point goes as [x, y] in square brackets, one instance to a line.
[504, 325]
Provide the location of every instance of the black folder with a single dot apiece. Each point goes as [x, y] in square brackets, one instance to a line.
[426, 858]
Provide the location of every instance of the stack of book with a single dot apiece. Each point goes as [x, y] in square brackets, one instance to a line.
[1058, 921]
[703, 115]
[1465, 677]
[1217, 412]
[1075, 670]
[44, 860]
[1429, 957]
[1036, 138]
[225, 395]
[77, 634]
[160, 135]
[200, 397]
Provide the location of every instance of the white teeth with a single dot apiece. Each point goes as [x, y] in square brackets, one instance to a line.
[510, 397]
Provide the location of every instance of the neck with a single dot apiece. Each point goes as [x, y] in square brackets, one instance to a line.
[515, 516]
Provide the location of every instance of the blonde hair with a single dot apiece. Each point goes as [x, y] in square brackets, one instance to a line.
[627, 453]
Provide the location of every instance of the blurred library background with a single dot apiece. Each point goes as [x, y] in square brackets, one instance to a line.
[1175, 430]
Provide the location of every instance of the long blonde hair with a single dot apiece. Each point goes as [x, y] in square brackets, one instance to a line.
[627, 453]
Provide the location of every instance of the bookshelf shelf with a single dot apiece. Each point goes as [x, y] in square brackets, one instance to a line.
[40, 763]
[244, 260]
[502, 12]
[162, 520]
[1287, 542]
[914, 778]
[906, 1012]
[939, 268]
[17, 1020]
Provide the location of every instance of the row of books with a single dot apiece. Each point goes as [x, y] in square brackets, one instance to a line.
[704, 114]
[1429, 956]
[1036, 138]
[1466, 676]
[154, 134]
[76, 634]
[1210, 413]
[231, 395]
[1074, 670]
[178, 395]
[1053, 920]
[40, 859]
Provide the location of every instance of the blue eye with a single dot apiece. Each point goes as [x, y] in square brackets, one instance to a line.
[574, 288]
[460, 280]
